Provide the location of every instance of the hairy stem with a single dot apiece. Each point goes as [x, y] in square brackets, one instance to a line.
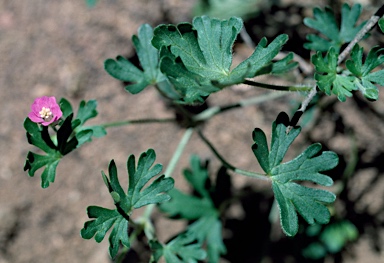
[212, 111]
[139, 121]
[367, 27]
[230, 166]
[177, 154]
[277, 87]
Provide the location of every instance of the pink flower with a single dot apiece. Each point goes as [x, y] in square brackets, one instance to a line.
[45, 110]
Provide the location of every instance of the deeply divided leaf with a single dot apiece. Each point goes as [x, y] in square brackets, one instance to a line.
[332, 33]
[207, 227]
[360, 75]
[365, 79]
[327, 77]
[137, 195]
[293, 198]
[149, 73]
[197, 57]
[181, 249]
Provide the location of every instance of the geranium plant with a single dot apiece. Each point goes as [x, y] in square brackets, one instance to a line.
[187, 63]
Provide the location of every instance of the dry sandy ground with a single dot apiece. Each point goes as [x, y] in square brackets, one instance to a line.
[58, 48]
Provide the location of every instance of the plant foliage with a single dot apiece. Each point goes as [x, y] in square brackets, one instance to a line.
[71, 134]
[333, 34]
[197, 57]
[332, 239]
[181, 249]
[290, 196]
[207, 227]
[136, 197]
[381, 24]
[359, 77]
[150, 74]
[365, 79]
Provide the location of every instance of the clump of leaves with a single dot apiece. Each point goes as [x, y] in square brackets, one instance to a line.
[197, 57]
[332, 34]
[150, 74]
[136, 197]
[291, 197]
[360, 76]
[187, 62]
[181, 249]
[70, 135]
[332, 239]
[201, 207]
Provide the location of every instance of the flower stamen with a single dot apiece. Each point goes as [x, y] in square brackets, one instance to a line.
[46, 114]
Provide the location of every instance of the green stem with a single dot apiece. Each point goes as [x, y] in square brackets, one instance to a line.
[212, 111]
[140, 121]
[179, 150]
[230, 166]
[277, 87]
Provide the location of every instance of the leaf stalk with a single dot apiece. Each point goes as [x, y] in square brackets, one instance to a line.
[230, 166]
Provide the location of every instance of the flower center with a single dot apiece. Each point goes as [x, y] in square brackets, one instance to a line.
[46, 114]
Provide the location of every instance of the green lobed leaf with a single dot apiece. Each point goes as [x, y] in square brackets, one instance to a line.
[150, 74]
[87, 110]
[188, 206]
[65, 107]
[125, 203]
[179, 250]
[36, 161]
[333, 34]
[104, 220]
[207, 227]
[327, 77]
[197, 176]
[140, 176]
[284, 65]
[291, 197]
[366, 79]
[381, 24]
[39, 137]
[281, 141]
[197, 57]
